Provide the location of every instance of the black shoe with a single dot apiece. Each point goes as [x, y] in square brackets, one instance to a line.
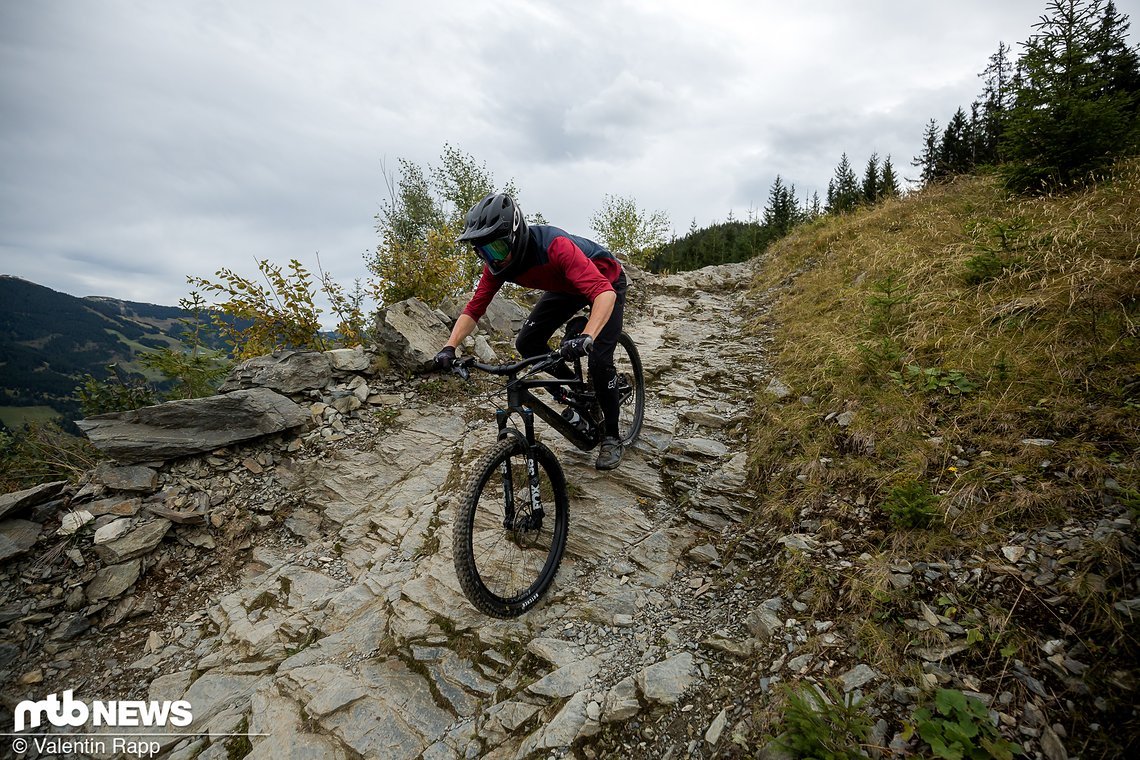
[609, 456]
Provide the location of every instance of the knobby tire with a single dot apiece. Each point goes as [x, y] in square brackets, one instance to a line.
[632, 411]
[504, 573]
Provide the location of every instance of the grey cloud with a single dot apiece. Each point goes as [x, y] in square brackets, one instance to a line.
[144, 142]
[626, 103]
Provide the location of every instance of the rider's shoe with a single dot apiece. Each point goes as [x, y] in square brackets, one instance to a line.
[609, 456]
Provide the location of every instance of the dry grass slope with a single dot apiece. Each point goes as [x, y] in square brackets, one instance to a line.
[984, 351]
[1021, 315]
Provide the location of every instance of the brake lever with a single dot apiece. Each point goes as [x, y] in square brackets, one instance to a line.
[461, 370]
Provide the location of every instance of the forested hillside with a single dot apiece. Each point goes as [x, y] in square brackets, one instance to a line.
[719, 243]
[49, 340]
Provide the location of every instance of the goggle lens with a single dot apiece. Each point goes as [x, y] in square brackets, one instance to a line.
[495, 251]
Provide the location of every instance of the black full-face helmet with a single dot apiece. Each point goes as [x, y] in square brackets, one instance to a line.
[498, 232]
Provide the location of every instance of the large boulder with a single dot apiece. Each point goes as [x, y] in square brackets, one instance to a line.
[410, 333]
[282, 371]
[503, 317]
[193, 426]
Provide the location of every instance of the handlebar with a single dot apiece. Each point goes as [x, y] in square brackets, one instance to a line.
[462, 367]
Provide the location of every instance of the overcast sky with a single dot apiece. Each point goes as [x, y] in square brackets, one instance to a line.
[144, 141]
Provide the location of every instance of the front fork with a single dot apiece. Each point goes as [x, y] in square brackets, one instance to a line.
[533, 521]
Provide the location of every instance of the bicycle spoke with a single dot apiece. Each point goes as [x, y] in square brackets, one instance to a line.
[631, 392]
[509, 560]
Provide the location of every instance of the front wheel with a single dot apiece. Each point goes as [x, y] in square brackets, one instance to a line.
[510, 529]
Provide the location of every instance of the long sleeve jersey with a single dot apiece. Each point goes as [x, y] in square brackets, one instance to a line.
[555, 261]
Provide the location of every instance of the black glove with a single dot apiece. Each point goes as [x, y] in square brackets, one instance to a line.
[577, 346]
[445, 358]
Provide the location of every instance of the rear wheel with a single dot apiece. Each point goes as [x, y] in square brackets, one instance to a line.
[508, 536]
[631, 389]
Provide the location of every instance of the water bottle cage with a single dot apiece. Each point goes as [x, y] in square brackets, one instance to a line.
[581, 423]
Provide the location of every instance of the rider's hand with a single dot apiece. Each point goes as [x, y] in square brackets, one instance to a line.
[577, 346]
[445, 358]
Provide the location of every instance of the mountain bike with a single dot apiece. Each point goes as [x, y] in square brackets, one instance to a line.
[511, 526]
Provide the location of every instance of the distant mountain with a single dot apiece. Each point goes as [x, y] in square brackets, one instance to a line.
[49, 340]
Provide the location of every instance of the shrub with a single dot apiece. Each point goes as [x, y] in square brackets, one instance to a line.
[825, 726]
[417, 255]
[430, 269]
[888, 301]
[195, 370]
[959, 727]
[911, 505]
[349, 308]
[999, 254]
[633, 234]
[888, 304]
[119, 392]
[264, 318]
[42, 452]
[984, 267]
[930, 379]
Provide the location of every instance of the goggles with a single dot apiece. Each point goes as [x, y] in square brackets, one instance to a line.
[494, 252]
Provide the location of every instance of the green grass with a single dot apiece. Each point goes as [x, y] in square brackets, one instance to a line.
[15, 417]
[136, 349]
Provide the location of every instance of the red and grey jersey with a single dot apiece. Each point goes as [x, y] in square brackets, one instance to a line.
[555, 261]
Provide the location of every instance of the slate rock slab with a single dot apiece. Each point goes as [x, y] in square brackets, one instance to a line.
[138, 542]
[282, 371]
[133, 478]
[113, 580]
[503, 317]
[17, 501]
[349, 359]
[16, 537]
[665, 681]
[193, 426]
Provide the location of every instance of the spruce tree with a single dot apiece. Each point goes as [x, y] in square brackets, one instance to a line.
[1076, 103]
[781, 212]
[888, 182]
[871, 180]
[996, 101]
[927, 163]
[844, 192]
[954, 151]
[975, 132]
[1118, 64]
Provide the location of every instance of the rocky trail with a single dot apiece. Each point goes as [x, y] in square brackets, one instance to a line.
[296, 587]
[300, 594]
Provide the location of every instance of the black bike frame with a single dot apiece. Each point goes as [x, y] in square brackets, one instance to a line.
[522, 402]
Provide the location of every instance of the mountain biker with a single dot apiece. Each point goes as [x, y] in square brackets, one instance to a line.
[574, 272]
